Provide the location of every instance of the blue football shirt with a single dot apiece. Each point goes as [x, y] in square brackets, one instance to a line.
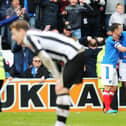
[111, 52]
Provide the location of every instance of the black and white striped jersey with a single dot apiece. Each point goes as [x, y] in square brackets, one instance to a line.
[58, 46]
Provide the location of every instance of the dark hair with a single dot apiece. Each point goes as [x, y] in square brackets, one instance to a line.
[114, 26]
[20, 24]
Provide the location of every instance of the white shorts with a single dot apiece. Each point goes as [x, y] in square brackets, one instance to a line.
[122, 71]
[109, 75]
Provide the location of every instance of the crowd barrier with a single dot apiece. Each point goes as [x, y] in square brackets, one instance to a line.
[28, 95]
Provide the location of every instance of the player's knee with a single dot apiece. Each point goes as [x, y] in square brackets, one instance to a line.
[58, 88]
[106, 87]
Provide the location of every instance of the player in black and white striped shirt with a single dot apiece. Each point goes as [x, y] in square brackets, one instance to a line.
[52, 46]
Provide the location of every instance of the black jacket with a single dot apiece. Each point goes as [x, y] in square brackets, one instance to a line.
[75, 14]
[50, 14]
[31, 5]
[42, 71]
[91, 62]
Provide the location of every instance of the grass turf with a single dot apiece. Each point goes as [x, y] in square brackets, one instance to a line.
[75, 119]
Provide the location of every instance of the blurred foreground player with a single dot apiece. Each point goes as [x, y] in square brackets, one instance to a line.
[53, 47]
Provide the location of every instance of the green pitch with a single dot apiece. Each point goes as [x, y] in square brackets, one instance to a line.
[75, 119]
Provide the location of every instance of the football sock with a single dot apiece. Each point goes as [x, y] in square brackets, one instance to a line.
[63, 103]
[111, 93]
[106, 97]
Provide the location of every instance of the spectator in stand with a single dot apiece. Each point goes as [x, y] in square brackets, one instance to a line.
[50, 11]
[15, 9]
[22, 60]
[92, 24]
[92, 52]
[67, 31]
[7, 21]
[109, 10]
[84, 40]
[37, 70]
[62, 5]
[30, 6]
[73, 16]
[118, 16]
[4, 5]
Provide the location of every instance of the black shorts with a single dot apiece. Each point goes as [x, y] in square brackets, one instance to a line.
[74, 70]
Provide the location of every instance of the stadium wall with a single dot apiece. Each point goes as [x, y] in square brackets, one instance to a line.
[26, 95]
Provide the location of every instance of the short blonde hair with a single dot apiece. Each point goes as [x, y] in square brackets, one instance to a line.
[20, 24]
[119, 4]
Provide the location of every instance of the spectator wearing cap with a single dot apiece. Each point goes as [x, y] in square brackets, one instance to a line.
[67, 31]
[73, 15]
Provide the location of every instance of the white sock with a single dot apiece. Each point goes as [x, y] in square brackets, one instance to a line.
[63, 103]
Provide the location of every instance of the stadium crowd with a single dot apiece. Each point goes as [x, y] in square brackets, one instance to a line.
[85, 21]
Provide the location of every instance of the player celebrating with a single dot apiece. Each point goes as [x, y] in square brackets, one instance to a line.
[52, 46]
[109, 74]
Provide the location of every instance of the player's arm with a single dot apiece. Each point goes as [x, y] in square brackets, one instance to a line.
[47, 61]
[121, 48]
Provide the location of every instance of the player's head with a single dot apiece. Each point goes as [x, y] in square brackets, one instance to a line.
[18, 30]
[116, 29]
